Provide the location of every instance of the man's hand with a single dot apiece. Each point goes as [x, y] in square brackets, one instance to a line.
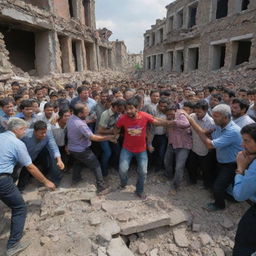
[48, 184]
[243, 159]
[60, 164]
[113, 138]
[151, 149]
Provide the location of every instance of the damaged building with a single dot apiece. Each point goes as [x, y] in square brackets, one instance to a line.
[53, 37]
[203, 35]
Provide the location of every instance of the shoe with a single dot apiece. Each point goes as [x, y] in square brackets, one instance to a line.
[17, 248]
[142, 196]
[121, 187]
[103, 191]
[212, 207]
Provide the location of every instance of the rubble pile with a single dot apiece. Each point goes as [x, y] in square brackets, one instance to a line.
[75, 221]
[243, 77]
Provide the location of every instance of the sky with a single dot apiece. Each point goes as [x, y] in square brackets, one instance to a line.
[129, 19]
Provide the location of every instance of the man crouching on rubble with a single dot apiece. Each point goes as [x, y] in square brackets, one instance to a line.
[12, 151]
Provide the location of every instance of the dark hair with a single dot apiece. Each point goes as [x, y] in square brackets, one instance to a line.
[104, 91]
[95, 93]
[85, 83]
[163, 100]
[63, 111]
[48, 105]
[26, 104]
[40, 125]
[171, 107]
[38, 88]
[202, 104]
[22, 90]
[153, 91]
[116, 90]
[53, 94]
[17, 97]
[211, 88]
[189, 104]
[229, 92]
[78, 108]
[243, 103]
[15, 83]
[165, 93]
[217, 96]
[82, 88]
[118, 102]
[6, 101]
[133, 102]
[69, 86]
[243, 90]
[250, 129]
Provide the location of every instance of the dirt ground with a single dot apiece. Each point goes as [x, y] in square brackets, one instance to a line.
[74, 221]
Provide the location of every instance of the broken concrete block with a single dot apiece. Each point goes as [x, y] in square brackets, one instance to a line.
[219, 252]
[205, 239]
[180, 237]
[140, 225]
[94, 220]
[196, 227]
[177, 217]
[117, 247]
[44, 240]
[142, 248]
[227, 223]
[59, 211]
[112, 227]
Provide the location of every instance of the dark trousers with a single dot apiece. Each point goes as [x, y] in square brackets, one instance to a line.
[87, 158]
[245, 241]
[47, 165]
[159, 143]
[11, 196]
[66, 159]
[205, 164]
[225, 177]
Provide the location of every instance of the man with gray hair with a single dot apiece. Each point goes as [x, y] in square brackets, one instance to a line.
[227, 141]
[14, 151]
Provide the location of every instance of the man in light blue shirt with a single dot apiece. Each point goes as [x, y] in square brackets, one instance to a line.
[245, 189]
[227, 140]
[43, 151]
[14, 151]
[7, 105]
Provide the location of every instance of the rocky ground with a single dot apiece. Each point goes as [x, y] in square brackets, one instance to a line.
[73, 220]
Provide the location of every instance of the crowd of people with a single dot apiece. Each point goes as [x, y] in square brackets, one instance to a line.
[210, 133]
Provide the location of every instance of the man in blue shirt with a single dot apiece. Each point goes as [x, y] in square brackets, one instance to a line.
[14, 151]
[7, 105]
[226, 139]
[245, 189]
[44, 152]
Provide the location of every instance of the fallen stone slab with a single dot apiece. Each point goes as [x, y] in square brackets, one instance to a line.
[180, 237]
[177, 217]
[117, 247]
[144, 224]
[219, 252]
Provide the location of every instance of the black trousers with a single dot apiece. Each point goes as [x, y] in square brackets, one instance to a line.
[245, 241]
[205, 164]
[225, 177]
[88, 159]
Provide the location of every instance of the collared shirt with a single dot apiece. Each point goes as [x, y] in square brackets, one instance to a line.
[3, 122]
[108, 119]
[78, 134]
[29, 122]
[206, 123]
[150, 108]
[98, 109]
[42, 117]
[252, 112]
[179, 136]
[227, 142]
[13, 151]
[90, 102]
[35, 146]
[59, 134]
[159, 130]
[243, 121]
[245, 185]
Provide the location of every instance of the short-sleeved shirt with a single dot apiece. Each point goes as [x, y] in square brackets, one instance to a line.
[243, 121]
[108, 119]
[228, 142]
[78, 134]
[135, 131]
[14, 151]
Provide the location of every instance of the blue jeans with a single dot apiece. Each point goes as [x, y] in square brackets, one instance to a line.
[124, 163]
[109, 149]
[179, 156]
[11, 196]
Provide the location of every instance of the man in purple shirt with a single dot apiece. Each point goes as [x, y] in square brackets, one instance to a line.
[79, 142]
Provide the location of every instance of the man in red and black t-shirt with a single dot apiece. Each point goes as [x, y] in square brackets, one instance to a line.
[135, 123]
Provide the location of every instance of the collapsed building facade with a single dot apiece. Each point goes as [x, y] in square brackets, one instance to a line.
[48, 37]
[204, 35]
